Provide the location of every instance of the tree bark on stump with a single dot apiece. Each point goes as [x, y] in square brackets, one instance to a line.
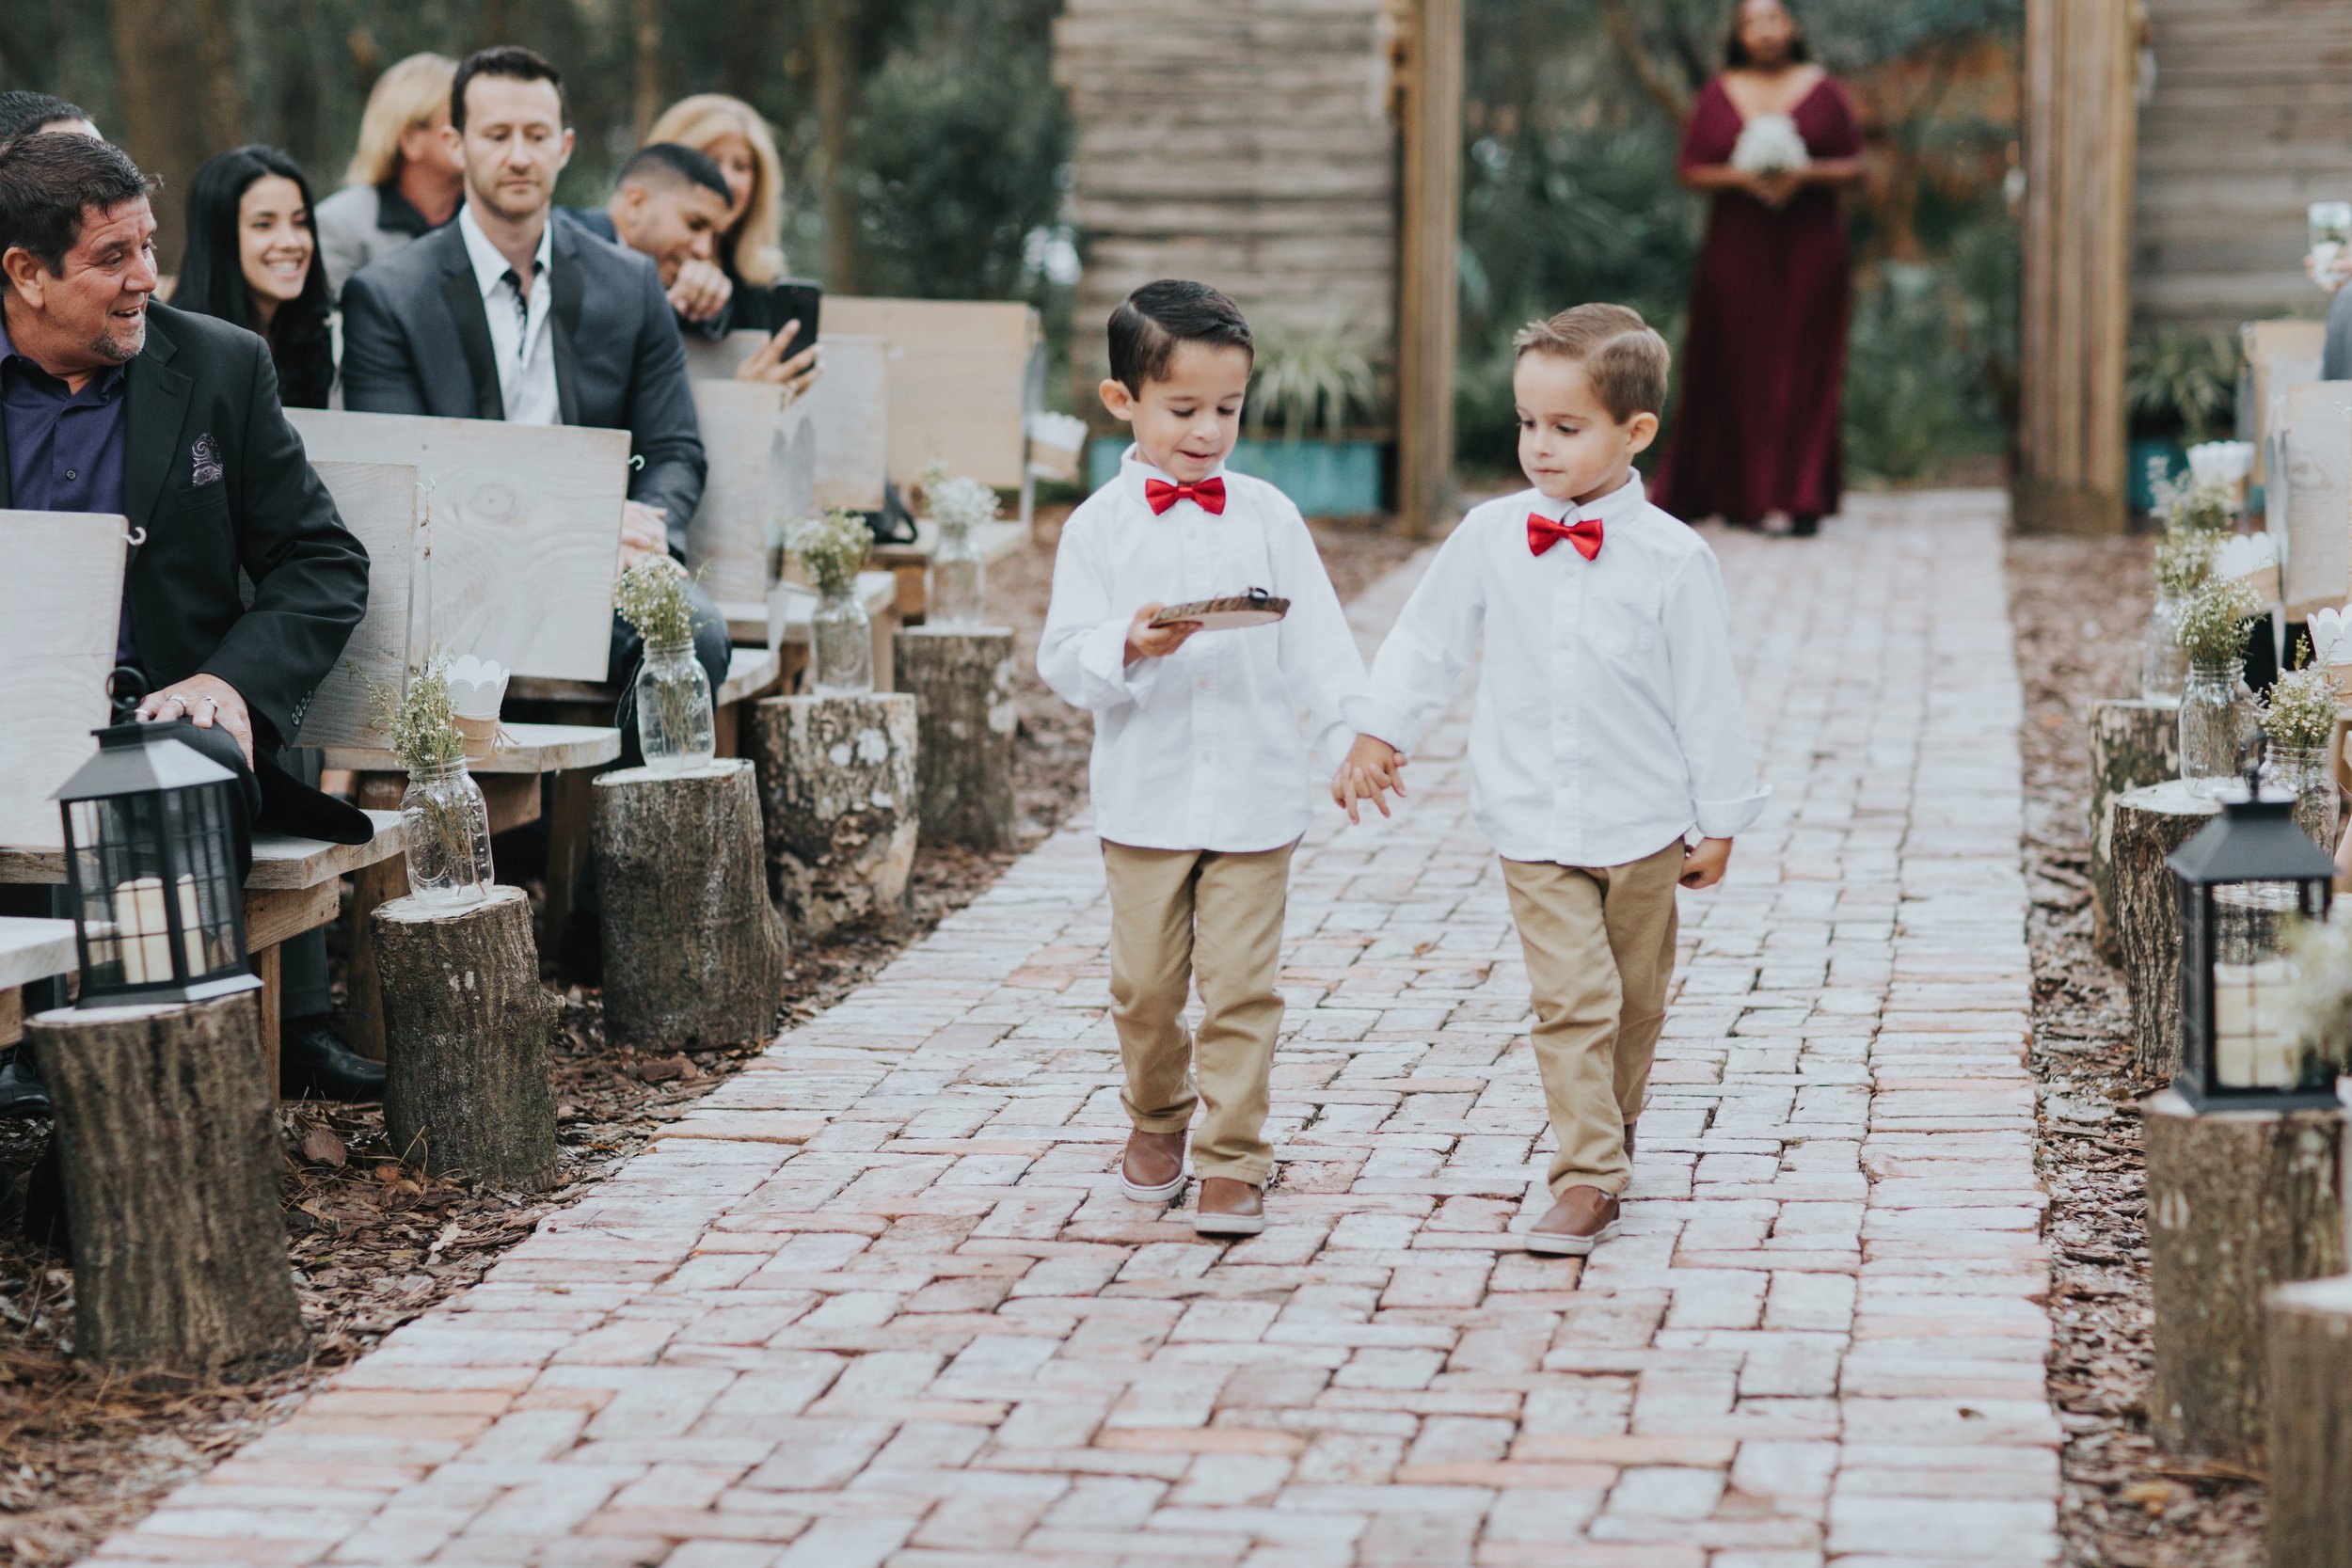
[2133, 744]
[166, 1140]
[2309, 1497]
[838, 779]
[694, 952]
[2239, 1201]
[2150, 824]
[961, 683]
[467, 1080]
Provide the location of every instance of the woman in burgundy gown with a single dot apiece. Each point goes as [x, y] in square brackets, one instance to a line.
[1764, 359]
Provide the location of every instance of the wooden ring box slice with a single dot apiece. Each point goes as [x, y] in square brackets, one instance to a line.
[1256, 608]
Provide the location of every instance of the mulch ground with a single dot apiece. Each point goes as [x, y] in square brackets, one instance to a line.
[2079, 607]
[376, 1243]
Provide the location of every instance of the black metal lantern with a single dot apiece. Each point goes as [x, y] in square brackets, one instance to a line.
[2246, 883]
[153, 867]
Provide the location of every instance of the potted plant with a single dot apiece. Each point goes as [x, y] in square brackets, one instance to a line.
[2299, 719]
[956, 594]
[2184, 562]
[675, 726]
[834, 548]
[442, 812]
[2213, 626]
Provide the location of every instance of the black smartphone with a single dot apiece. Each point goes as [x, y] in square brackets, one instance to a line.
[795, 302]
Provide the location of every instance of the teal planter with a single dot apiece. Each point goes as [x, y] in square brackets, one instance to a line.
[2143, 498]
[1326, 479]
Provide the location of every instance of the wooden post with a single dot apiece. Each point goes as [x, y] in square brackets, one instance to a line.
[837, 784]
[168, 1148]
[1429, 240]
[2133, 744]
[961, 683]
[693, 951]
[2082, 60]
[2147, 825]
[2308, 1503]
[466, 1082]
[2239, 1201]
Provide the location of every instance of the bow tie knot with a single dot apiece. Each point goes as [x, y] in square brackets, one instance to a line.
[1543, 532]
[1208, 494]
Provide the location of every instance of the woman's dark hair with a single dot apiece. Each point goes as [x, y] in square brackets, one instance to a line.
[1736, 56]
[212, 272]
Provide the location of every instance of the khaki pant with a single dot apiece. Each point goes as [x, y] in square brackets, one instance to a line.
[1600, 952]
[1177, 914]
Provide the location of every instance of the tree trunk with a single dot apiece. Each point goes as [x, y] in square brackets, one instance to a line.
[961, 683]
[648, 66]
[834, 55]
[694, 950]
[468, 1084]
[2133, 744]
[2150, 824]
[2239, 1201]
[2309, 1497]
[161, 89]
[168, 1146]
[837, 777]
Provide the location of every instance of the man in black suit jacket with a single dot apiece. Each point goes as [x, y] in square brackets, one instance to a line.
[109, 403]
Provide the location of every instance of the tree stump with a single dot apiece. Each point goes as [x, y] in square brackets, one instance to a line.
[837, 778]
[694, 952]
[2239, 1201]
[2133, 744]
[167, 1141]
[467, 1080]
[2147, 825]
[2309, 1497]
[961, 683]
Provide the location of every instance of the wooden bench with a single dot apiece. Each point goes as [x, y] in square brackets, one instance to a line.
[30, 950]
[295, 886]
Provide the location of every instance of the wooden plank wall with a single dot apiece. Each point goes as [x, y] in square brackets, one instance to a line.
[1246, 143]
[2249, 120]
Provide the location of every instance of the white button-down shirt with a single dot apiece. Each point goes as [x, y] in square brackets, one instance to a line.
[1200, 750]
[519, 337]
[1607, 723]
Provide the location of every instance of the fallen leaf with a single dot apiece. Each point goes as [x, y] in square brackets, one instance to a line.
[387, 1173]
[663, 1069]
[321, 1148]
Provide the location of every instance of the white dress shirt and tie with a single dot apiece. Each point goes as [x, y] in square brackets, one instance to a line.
[519, 336]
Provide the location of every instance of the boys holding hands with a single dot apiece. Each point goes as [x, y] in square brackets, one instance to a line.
[1607, 726]
[1199, 777]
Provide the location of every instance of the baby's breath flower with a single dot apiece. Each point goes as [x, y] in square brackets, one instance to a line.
[651, 596]
[419, 728]
[2301, 708]
[2215, 623]
[2184, 562]
[834, 549]
[961, 503]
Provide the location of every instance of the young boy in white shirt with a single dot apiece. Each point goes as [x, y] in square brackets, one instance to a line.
[1200, 779]
[1607, 727]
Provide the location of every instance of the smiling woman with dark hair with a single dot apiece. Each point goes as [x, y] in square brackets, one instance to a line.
[252, 259]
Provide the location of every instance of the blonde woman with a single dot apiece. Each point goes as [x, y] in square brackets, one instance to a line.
[405, 180]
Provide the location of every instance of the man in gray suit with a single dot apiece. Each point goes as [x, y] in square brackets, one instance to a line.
[507, 314]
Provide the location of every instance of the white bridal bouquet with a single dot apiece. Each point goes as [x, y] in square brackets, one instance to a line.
[1770, 144]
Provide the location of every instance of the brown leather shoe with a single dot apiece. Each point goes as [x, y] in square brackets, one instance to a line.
[1153, 1171]
[1582, 1220]
[1229, 1208]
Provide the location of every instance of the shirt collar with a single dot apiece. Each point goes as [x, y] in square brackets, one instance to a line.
[396, 213]
[1133, 469]
[489, 266]
[103, 385]
[1609, 509]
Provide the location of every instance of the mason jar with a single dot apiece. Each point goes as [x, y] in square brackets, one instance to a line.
[2303, 771]
[673, 720]
[2163, 665]
[841, 646]
[959, 579]
[2214, 718]
[448, 827]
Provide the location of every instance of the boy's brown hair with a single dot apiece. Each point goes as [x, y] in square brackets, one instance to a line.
[1623, 355]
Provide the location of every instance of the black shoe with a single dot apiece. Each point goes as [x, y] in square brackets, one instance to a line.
[313, 1063]
[1804, 526]
[22, 1092]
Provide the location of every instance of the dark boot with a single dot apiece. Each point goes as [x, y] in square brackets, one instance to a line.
[22, 1092]
[1803, 525]
[313, 1063]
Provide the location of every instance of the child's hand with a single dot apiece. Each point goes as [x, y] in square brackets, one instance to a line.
[1372, 766]
[1704, 862]
[1146, 641]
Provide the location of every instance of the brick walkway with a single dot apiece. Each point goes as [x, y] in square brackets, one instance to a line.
[878, 1301]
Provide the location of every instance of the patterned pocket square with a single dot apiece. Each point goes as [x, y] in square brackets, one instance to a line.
[205, 457]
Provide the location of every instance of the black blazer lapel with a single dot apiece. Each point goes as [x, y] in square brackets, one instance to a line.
[156, 417]
[564, 320]
[463, 300]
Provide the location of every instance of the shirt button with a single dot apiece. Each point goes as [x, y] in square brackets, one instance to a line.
[70, 474]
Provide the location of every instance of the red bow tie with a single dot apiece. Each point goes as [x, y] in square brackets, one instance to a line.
[1542, 533]
[1209, 493]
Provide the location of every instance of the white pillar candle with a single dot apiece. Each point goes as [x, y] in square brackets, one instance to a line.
[141, 930]
[2253, 1045]
[191, 927]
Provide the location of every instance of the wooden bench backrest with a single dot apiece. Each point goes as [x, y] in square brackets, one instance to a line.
[2277, 349]
[964, 376]
[60, 607]
[761, 459]
[525, 529]
[379, 503]
[848, 410]
[2317, 442]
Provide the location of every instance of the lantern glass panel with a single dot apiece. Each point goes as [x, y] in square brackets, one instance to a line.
[155, 893]
[2255, 1044]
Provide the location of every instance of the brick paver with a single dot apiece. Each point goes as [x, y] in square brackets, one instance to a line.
[878, 1300]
